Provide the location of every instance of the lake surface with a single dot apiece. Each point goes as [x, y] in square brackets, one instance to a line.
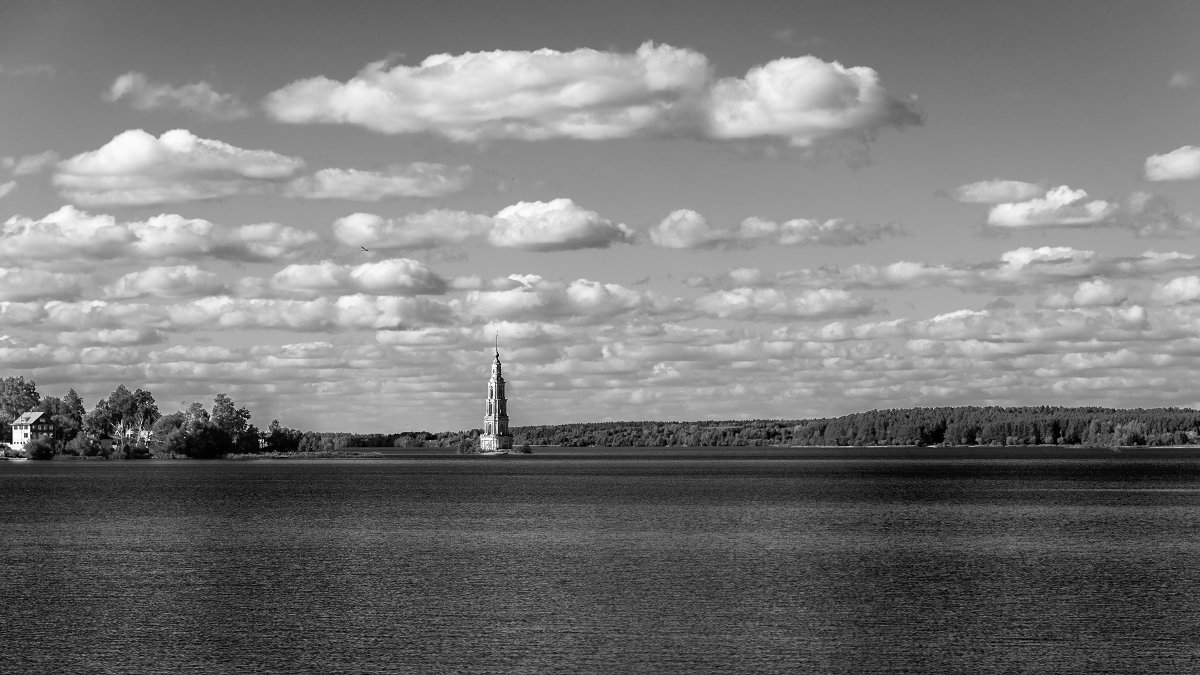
[760, 560]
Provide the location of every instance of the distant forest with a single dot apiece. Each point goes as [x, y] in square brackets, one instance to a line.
[1045, 425]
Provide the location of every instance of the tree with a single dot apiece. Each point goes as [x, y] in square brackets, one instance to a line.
[199, 440]
[17, 396]
[70, 415]
[229, 419]
[247, 442]
[122, 413]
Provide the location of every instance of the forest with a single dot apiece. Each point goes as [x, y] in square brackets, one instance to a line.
[129, 424]
[967, 425]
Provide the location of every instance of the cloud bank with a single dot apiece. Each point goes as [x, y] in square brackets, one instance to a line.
[658, 90]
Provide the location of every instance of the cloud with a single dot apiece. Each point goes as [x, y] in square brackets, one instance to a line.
[1061, 206]
[1151, 215]
[179, 281]
[135, 168]
[20, 285]
[1020, 270]
[1179, 164]
[1182, 79]
[803, 231]
[658, 90]
[31, 70]
[1094, 293]
[347, 312]
[556, 225]
[6, 188]
[803, 99]
[686, 229]
[419, 179]
[534, 298]
[31, 164]
[197, 98]
[399, 276]
[70, 233]
[996, 191]
[768, 303]
[113, 336]
[428, 229]
[1178, 290]
[222, 312]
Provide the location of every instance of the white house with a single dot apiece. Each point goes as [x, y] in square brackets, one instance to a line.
[29, 426]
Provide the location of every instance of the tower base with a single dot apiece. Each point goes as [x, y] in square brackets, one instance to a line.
[493, 442]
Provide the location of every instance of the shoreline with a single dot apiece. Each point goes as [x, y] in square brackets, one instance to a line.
[779, 453]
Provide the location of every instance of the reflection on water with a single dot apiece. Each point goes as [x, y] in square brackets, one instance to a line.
[654, 562]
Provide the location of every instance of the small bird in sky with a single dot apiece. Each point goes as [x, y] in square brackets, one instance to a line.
[364, 248]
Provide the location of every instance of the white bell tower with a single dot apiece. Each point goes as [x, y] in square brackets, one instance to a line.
[495, 415]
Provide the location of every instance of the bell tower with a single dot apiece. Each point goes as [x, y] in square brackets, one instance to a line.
[495, 415]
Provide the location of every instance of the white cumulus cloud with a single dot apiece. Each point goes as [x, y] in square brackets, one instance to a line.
[135, 168]
[70, 233]
[592, 94]
[21, 285]
[197, 98]
[803, 99]
[1179, 164]
[1092, 293]
[428, 229]
[556, 225]
[1178, 290]
[400, 276]
[420, 179]
[686, 229]
[1060, 206]
[176, 281]
[769, 303]
[996, 191]
[805, 231]
[534, 298]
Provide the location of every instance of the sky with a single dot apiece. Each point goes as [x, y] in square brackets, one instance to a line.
[665, 210]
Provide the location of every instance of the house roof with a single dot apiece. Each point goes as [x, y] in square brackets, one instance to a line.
[30, 418]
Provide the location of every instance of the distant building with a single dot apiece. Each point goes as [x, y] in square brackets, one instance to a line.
[29, 426]
[495, 418]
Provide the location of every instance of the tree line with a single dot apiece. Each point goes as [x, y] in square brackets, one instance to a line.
[129, 424]
[965, 425]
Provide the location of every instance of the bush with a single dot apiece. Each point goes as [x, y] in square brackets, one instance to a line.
[80, 445]
[525, 449]
[40, 448]
[135, 451]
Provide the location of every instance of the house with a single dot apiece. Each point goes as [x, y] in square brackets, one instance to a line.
[29, 426]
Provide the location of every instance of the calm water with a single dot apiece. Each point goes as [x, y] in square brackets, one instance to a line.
[670, 562]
